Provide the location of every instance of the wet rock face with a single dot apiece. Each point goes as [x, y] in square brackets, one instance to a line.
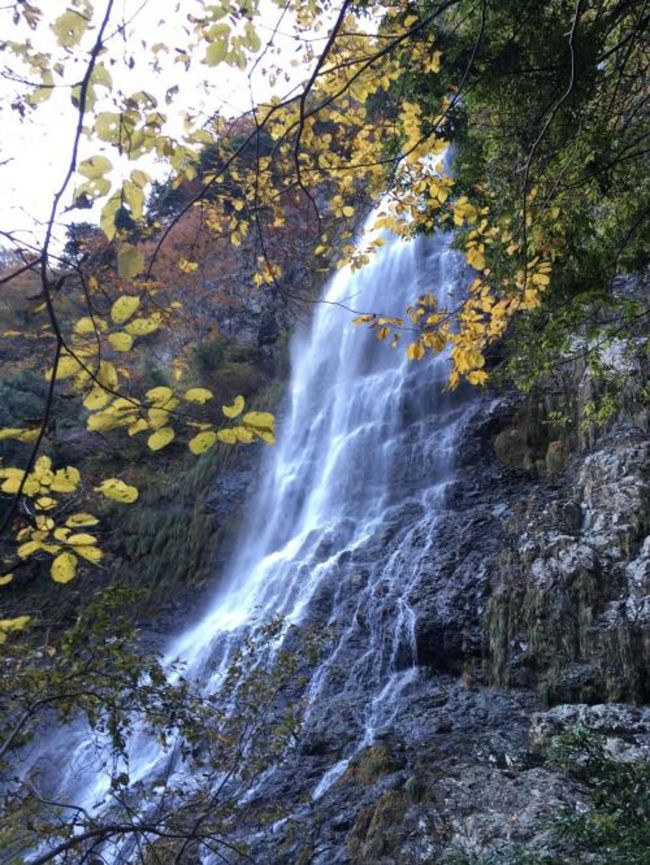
[569, 607]
[482, 596]
[535, 577]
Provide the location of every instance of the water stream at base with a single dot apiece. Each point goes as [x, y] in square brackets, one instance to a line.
[366, 437]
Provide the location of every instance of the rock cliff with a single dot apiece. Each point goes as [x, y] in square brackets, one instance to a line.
[531, 597]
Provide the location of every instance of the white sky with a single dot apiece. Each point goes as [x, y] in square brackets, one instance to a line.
[37, 149]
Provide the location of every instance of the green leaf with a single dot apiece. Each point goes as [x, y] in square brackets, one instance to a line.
[134, 198]
[107, 126]
[95, 167]
[130, 263]
[101, 77]
[251, 39]
[140, 178]
[109, 211]
[216, 52]
[69, 28]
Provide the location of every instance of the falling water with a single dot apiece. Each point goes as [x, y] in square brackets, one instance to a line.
[334, 533]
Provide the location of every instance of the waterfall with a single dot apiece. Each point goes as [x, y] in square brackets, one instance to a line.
[342, 523]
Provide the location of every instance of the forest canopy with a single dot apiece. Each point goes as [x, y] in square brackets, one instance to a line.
[544, 107]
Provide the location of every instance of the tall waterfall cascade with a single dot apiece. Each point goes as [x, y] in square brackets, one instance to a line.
[342, 523]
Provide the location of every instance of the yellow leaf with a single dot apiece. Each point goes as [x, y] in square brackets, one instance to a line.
[202, 442]
[476, 259]
[95, 167]
[158, 417]
[97, 398]
[17, 624]
[142, 326]
[121, 341]
[93, 554]
[43, 470]
[161, 438]
[86, 325]
[186, 266]
[10, 433]
[259, 420]
[227, 436]
[81, 519]
[5, 579]
[67, 366]
[66, 480]
[415, 351]
[64, 568]
[198, 394]
[477, 376]
[28, 435]
[266, 435]
[45, 503]
[107, 375]
[103, 421]
[124, 406]
[13, 478]
[234, 410]
[159, 394]
[139, 426]
[243, 435]
[124, 307]
[44, 524]
[28, 549]
[117, 490]
[81, 539]
[348, 210]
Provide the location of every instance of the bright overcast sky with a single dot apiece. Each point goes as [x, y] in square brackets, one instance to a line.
[35, 151]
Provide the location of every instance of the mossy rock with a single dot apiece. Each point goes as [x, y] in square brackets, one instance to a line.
[378, 830]
[234, 378]
[556, 456]
[373, 763]
[511, 448]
